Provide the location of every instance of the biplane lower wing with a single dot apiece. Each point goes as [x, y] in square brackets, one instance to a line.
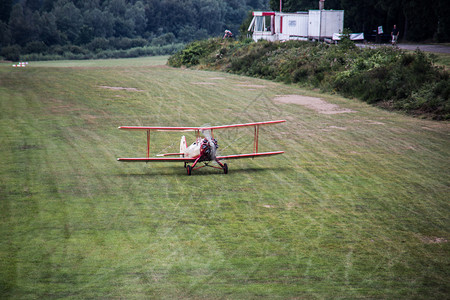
[157, 159]
[249, 155]
[190, 159]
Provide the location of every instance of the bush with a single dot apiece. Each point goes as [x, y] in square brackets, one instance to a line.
[41, 57]
[127, 43]
[76, 50]
[11, 52]
[194, 52]
[98, 44]
[57, 49]
[164, 39]
[35, 47]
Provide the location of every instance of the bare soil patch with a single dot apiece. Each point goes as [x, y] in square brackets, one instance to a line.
[119, 88]
[204, 83]
[337, 127]
[433, 240]
[258, 86]
[268, 206]
[314, 103]
[438, 126]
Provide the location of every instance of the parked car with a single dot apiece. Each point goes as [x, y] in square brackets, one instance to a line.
[374, 37]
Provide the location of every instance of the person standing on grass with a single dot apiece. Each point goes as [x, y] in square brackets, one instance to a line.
[394, 35]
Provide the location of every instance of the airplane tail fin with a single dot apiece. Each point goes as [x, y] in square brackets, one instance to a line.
[183, 145]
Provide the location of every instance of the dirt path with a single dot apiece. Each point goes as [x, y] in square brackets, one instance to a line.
[314, 103]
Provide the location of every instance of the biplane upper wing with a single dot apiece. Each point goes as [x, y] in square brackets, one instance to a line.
[159, 128]
[243, 125]
[162, 128]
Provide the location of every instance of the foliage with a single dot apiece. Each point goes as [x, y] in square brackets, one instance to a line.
[76, 52]
[385, 76]
[11, 52]
[165, 22]
[243, 29]
[194, 52]
[405, 81]
[346, 42]
[88, 23]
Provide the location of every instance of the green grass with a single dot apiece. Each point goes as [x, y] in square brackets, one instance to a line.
[125, 62]
[443, 59]
[351, 210]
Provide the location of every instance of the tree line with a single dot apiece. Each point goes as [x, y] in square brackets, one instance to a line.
[31, 26]
[86, 27]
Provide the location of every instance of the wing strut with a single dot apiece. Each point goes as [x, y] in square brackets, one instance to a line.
[148, 143]
[255, 143]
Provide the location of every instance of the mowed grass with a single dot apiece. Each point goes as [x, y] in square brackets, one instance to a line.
[357, 207]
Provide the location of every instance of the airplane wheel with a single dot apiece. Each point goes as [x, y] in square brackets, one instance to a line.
[225, 168]
[189, 170]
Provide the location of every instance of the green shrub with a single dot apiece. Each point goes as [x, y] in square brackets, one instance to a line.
[35, 47]
[346, 43]
[75, 50]
[164, 39]
[194, 52]
[41, 57]
[127, 43]
[98, 44]
[56, 49]
[11, 52]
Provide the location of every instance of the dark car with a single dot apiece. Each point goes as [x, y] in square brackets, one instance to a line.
[374, 37]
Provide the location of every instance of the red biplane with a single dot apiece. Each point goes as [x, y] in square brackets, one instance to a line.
[203, 149]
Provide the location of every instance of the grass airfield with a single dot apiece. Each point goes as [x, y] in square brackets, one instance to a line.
[357, 207]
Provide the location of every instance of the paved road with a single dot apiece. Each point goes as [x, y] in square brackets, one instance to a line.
[426, 48]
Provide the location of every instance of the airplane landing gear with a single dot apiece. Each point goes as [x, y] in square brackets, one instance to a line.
[189, 170]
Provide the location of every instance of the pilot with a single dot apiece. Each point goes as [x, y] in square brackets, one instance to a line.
[205, 148]
[215, 143]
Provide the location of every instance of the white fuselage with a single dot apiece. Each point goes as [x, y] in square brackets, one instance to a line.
[193, 150]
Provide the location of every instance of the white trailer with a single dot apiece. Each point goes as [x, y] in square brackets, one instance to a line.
[293, 25]
[278, 26]
[324, 23]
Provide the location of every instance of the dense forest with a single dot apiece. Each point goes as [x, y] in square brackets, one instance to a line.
[92, 26]
[50, 29]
